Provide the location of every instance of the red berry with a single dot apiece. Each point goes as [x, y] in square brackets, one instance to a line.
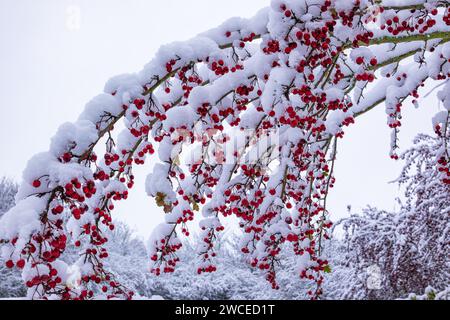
[36, 183]
[67, 157]
[9, 264]
[20, 264]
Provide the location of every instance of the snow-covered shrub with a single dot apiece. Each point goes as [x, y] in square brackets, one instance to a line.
[431, 294]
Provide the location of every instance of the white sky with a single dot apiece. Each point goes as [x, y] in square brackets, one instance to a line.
[51, 64]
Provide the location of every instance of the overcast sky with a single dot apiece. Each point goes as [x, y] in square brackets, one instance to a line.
[57, 54]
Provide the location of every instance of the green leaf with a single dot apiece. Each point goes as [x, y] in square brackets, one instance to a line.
[327, 269]
[431, 295]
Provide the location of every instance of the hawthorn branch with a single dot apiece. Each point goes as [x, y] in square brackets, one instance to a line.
[406, 39]
[407, 7]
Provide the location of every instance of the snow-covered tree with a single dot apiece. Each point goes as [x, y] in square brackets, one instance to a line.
[234, 279]
[410, 247]
[8, 190]
[11, 284]
[290, 80]
[128, 260]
